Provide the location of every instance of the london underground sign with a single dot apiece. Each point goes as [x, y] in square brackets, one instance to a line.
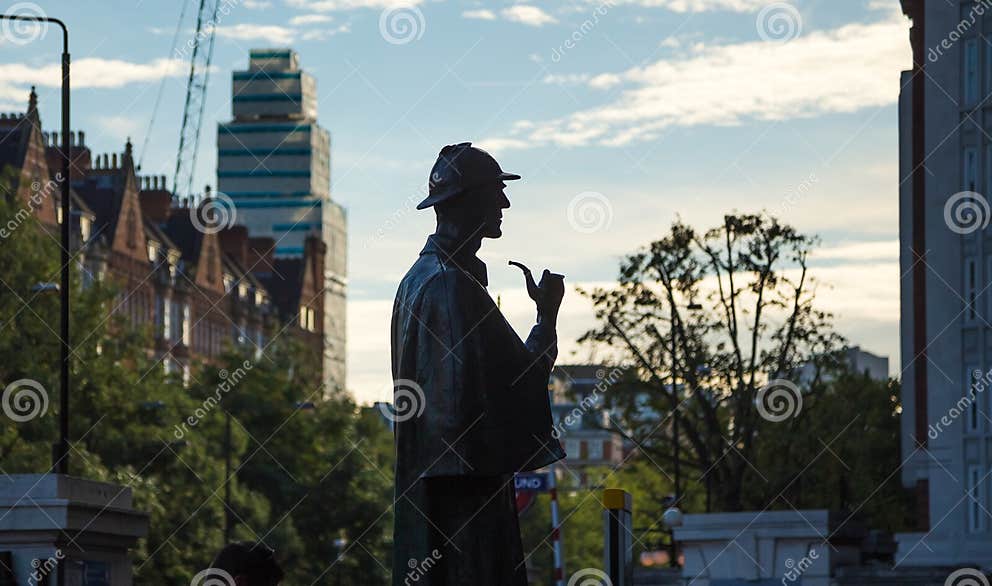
[531, 481]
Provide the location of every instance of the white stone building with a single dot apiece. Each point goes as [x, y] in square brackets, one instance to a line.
[945, 148]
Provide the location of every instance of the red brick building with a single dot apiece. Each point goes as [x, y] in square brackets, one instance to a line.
[197, 287]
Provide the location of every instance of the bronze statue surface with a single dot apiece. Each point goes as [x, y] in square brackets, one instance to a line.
[485, 407]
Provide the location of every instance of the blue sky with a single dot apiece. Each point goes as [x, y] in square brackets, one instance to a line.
[653, 109]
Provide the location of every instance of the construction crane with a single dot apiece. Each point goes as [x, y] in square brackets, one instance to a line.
[202, 51]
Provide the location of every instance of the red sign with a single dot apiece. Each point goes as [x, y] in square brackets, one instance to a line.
[525, 498]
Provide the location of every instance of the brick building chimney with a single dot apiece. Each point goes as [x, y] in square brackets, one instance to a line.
[234, 241]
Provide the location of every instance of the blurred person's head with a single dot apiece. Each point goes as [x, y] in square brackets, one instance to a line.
[249, 564]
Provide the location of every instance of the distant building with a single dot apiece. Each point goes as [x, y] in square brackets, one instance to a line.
[273, 162]
[581, 421]
[858, 360]
[198, 290]
[874, 366]
[945, 182]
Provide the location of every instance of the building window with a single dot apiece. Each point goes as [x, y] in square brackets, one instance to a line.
[185, 324]
[971, 72]
[163, 316]
[596, 450]
[970, 171]
[970, 290]
[308, 318]
[988, 67]
[973, 422]
[976, 502]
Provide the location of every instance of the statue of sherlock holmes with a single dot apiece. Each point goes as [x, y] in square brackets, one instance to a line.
[486, 412]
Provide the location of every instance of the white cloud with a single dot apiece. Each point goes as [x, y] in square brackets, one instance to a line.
[320, 34]
[482, 14]
[526, 14]
[820, 73]
[269, 33]
[696, 5]
[91, 72]
[256, 4]
[886, 250]
[310, 19]
[335, 5]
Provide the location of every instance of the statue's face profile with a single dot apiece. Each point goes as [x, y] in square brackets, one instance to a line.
[492, 201]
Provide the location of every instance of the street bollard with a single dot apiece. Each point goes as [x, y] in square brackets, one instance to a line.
[618, 551]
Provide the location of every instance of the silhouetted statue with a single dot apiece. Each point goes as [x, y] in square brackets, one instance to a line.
[483, 392]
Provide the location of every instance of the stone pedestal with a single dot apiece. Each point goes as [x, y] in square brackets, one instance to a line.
[773, 547]
[88, 525]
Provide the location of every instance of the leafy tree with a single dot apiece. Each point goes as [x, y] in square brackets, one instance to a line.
[302, 477]
[709, 318]
[840, 452]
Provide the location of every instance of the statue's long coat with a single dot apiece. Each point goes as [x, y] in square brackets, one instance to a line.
[486, 415]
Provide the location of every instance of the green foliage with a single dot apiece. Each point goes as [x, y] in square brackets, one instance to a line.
[302, 478]
[840, 453]
[706, 320]
[581, 516]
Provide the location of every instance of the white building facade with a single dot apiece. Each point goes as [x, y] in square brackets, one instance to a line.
[945, 142]
[273, 162]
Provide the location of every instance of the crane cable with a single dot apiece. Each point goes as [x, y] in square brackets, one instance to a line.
[161, 86]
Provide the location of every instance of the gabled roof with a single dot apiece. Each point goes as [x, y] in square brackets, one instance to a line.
[156, 233]
[285, 285]
[15, 133]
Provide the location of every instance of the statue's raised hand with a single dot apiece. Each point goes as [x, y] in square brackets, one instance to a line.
[547, 294]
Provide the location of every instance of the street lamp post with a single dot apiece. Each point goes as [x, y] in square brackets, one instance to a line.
[60, 451]
[227, 478]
